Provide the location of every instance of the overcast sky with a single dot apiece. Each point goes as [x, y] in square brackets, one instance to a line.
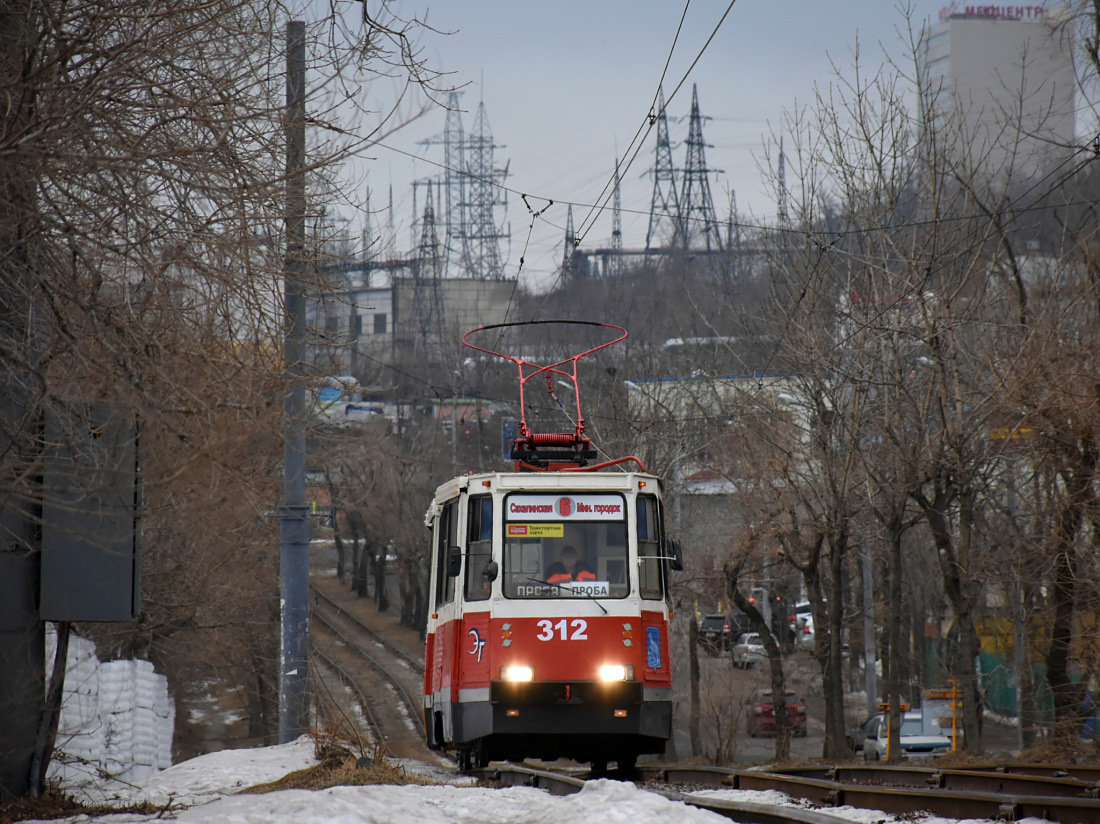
[568, 83]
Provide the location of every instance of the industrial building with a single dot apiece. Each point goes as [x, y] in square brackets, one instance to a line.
[1000, 88]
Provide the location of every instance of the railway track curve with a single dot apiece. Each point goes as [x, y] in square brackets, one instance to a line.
[1059, 793]
[382, 676]
[985, 793]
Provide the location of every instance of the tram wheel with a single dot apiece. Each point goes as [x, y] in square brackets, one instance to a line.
[627, 764]
[482, 758]
[599, 768]
[464, 760]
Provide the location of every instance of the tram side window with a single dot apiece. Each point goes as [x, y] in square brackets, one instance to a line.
[650, 565]
[479, 552]
[446, 536]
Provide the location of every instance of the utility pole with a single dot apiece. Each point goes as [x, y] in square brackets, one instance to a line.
[294, 692]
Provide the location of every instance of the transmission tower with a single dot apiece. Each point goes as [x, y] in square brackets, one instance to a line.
[568, 263]
[733, 237]
[615, 266]
[427, 300]
[485, 190]
[697, 215]
[457, 256]
[664, 208]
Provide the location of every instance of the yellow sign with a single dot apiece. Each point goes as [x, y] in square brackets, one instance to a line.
[536, 530]
[1006, 434]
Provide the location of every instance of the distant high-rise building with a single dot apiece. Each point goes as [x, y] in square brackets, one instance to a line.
[1001, 88]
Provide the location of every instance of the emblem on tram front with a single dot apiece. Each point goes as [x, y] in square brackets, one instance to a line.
[478, 643]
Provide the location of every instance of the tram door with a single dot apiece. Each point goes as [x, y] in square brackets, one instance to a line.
[445, 613]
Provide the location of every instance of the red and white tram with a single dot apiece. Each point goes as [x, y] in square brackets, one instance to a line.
[549, 605]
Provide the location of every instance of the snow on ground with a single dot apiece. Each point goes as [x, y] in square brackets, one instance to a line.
[204, 790]
[845, 813]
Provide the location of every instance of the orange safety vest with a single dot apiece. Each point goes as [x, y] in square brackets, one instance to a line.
[582, 575]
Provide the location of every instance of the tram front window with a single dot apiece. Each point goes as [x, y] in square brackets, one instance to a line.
[582, 560]
[565, 546]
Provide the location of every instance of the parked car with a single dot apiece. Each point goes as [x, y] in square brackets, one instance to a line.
[718, 630]
[714, 633]
[803, 628]
[855, 736]
[761, 717]
[915, 745]
[748, 650]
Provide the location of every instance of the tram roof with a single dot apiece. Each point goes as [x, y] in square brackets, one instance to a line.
[513, 481]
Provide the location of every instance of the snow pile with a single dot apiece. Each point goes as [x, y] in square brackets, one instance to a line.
[116, 718]
[205, 790]
[600, 802]
[216, 774]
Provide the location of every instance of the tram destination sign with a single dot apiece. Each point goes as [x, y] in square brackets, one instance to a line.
[568, 589]
[565, 508]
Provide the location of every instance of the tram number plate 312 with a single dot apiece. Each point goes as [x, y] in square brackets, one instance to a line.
[564, 630]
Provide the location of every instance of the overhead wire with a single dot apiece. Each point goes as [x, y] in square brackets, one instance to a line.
[633, 150]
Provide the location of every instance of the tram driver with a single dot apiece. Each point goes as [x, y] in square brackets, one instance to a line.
[569, 568]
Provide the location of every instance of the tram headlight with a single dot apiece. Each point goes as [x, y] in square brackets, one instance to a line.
[514, 673]
[616, 672]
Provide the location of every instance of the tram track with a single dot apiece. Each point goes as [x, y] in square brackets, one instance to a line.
[1006, 793]
[562, 783]
[986, 793]
[413, 662]
[334, 706]
[1003, 792]
[337, 626]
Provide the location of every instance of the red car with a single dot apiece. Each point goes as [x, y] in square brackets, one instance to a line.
[761, 718]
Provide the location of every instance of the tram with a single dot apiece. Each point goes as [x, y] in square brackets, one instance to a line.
[549, 607]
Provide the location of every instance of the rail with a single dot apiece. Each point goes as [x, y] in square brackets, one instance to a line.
[376, 733]
[414, 661]
[559, 783]
[900, 790]
[413, 707]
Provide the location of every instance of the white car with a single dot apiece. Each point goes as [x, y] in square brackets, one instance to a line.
[915, 745]
[803, 628]
[748, 650]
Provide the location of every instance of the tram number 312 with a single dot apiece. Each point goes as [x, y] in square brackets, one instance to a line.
[580, 630]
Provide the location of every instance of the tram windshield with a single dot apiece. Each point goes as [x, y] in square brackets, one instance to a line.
[565, 546]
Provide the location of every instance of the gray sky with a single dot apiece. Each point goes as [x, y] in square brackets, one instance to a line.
[568, 83]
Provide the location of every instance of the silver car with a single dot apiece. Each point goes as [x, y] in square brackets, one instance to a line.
[748, 650]
[915, 745]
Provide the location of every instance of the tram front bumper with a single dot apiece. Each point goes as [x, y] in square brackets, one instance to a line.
[577, 707]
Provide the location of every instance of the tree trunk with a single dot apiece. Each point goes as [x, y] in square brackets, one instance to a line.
[959, 589]
[893, 634]
[775, 663]
[363, 572]
[341, 556]
[378, 566]
[693, 686]
[833, 675]
[1067, 705]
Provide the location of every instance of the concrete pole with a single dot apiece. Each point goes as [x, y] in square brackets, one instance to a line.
[294, 682]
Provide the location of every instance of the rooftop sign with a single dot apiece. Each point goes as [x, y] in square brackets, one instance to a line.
[975, 12]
